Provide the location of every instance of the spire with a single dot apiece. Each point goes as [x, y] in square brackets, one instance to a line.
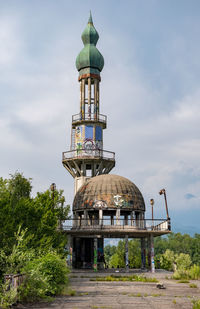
[90, 21]
[89, 59]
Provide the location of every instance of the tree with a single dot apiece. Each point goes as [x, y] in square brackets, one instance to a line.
[40, 215]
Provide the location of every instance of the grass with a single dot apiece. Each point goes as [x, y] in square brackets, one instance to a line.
[183, 281]
[125, 278]
[193, 285]
[70, 292]
[174, 301]
[196, 304]
[100, 307]
[135, 295]
[82, 294]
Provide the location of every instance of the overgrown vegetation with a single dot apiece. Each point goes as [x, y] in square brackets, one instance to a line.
[30, 242]
[176, 252]
[124, 278]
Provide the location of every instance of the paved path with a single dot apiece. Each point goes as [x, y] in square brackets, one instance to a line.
[124, 294]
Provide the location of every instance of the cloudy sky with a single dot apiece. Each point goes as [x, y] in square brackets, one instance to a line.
[150, 91]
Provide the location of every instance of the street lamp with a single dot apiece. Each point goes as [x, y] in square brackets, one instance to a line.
[162, 191]
[152, 203]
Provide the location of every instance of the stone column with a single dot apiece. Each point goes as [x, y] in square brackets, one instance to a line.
[132, 218]
[95, 254]
[118, 216]
[112, 220]
[100, 216]
[143, 253]
[126, 220]
[95, 99]
[69, 250]
[152, 254]
[83, 99]
[89, 97]
[126, 253]
[85, 217]
[98, 111]
[149, 252]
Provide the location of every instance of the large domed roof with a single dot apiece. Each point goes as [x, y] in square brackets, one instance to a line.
[111, 191]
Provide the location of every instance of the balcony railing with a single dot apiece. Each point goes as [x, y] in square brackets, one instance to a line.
[82, 153]
[88, 117]
[129, 224]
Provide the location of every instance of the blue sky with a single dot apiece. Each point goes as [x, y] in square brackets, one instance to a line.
[150, 91]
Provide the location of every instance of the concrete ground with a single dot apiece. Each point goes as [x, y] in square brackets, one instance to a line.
[123, 294]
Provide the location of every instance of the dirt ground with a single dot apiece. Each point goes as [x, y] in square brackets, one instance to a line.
[123, 294]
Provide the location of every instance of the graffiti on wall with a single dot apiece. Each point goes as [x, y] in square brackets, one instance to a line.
[99, 204]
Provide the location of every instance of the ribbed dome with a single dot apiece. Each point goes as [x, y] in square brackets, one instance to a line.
[112, 190]
[90, 57]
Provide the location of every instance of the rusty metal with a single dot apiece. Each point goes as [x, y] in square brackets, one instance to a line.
[163, 191]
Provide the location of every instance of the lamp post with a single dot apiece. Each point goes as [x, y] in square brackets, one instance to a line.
[53, 188]
[152, 203]
[162, 191]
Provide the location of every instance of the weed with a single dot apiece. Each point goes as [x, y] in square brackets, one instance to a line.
[126, 278]
[193, 285]
[183, 281]
[174, 301]
[70, 292]
[156, 295]
[196, 304]
[135, 295]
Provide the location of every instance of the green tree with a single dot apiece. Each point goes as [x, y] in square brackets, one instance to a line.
[40, 215]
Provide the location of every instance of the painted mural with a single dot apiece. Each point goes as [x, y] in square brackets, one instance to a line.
[79, 137]
[85, 141]
[99, 204]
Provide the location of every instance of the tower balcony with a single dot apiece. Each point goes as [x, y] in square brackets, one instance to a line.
[78, 119]
[97, 160]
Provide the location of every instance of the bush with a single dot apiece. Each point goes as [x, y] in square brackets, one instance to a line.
[46, 276]
[194, 272]
[7, 297]
[167, 260]
[183, 261]
[196, 304]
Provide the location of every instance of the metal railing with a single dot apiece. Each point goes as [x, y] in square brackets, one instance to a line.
[130, 224]
[83, 152]
[88, 117]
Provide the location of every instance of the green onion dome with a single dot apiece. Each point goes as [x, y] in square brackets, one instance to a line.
[89, 59]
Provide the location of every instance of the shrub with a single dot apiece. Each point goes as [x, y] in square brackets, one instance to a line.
[183, 261]
[196, 304]
[194, 272]
[193, 286]
[7, 297]
[46, 276]
[167, 260]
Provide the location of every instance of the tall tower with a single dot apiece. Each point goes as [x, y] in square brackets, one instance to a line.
[104, 206]
[87, 158]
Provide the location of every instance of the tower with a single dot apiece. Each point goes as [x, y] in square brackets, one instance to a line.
[104, 206]
[87, 158]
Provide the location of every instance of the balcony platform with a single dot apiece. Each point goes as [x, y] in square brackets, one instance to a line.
[139, 229]
[104, 160]
[89, 118]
